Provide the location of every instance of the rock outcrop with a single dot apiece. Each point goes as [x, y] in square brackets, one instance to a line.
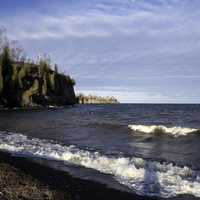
[29, 85]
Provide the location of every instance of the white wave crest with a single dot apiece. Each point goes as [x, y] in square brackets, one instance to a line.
[144, 177]
[158, 129]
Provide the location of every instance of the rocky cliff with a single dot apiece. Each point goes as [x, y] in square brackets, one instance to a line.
[90, 99]
[29, 85]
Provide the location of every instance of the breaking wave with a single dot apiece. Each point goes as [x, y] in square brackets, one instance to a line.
[158, 129]
[144, 177]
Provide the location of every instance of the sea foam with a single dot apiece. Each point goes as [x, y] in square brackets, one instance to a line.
[144, 177]
[159, 129]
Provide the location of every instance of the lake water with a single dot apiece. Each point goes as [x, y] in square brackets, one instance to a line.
[153, 150]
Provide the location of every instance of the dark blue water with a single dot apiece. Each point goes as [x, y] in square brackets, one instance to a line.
[104, 129]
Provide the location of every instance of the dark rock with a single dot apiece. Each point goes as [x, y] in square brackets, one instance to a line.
[29, 85]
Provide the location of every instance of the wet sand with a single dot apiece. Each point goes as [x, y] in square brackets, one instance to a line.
[23, 179]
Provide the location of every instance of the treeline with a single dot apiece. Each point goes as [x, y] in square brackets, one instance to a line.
[91, 99]
[25, 83]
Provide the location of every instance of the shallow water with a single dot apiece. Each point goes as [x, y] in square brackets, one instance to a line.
[160, 164]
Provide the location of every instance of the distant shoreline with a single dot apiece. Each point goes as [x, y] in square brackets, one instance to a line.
[92, 99]
[3, 108]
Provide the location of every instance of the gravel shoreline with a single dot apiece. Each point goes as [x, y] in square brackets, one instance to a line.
[22, 179]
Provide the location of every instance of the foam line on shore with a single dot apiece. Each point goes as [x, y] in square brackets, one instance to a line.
[144, 177]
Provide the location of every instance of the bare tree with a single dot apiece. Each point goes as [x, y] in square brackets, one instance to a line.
[3, 39]
[56, 68]
[16, 52]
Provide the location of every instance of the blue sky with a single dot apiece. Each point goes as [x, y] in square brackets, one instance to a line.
[141, 51]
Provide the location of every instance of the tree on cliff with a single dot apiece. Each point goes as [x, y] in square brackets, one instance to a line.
[24, 83]
[6, 61]
[56, 68]
[3, 39]
[8, 85]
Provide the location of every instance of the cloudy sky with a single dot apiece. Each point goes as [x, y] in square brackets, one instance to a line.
[141, 51]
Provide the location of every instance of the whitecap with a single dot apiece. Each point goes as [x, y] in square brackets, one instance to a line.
[159, 129]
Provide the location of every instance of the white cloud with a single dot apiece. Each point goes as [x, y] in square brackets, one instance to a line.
[119, 42]
[158, 22]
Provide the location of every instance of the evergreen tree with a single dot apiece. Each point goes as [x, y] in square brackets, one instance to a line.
[56, 68]
[1, 80]
[6, 62]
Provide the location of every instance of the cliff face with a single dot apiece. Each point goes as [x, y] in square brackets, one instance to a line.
[96, 100]
[27, 85]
